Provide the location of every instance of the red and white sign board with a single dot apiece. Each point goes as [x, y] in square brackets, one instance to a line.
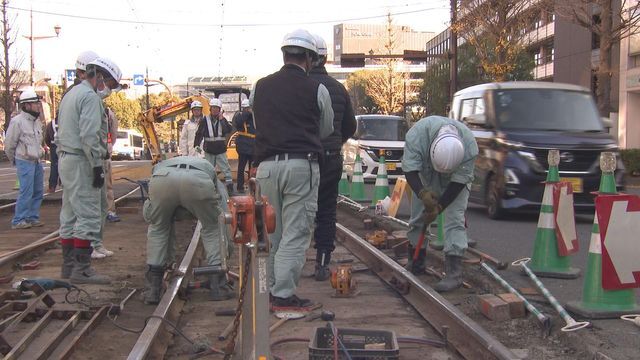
[619, 221]
[565, 218]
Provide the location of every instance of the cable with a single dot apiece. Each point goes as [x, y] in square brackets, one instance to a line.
[284, 341]
[78, 300]
[339, 341]
[227, 25]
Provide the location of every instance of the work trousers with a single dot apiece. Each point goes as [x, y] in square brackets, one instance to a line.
[30, 175]
[108, 182]
[222, 163]
[243, 161]
[177, 194]
[330, 173]
[81, 212]
[53, 171]
[292, 189]
[455, 232]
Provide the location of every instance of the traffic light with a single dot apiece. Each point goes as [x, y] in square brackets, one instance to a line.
[352, 60]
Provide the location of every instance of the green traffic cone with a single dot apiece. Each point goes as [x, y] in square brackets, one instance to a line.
[546, 261]
[17, 185]
[343, 185]
[357, 181]
[381, 189]
[598, 303]
[438, 241]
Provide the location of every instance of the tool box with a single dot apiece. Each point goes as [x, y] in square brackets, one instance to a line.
[356, 342]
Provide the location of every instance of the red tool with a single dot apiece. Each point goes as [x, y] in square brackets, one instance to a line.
[416, 252]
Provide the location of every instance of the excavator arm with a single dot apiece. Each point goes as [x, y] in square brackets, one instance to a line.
[158, 114]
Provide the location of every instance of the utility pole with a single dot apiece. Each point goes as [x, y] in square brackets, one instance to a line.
[453, 51]
[32, 39]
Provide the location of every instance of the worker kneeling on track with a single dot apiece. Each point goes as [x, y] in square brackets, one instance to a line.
[438, 162]
[181, 188]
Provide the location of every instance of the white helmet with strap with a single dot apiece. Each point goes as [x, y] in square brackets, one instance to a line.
[299, 41]
[215, 102]
[245, 103]
[111, 67]
[85, 58]
[28, 96]
[321, 45]
[447, 150]
[196, 104]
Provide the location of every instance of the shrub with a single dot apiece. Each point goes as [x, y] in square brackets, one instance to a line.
[631, 159]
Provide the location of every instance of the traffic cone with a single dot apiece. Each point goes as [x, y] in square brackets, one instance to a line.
[381, 189]
[343, 185]
[598, 303]
[17, 185]
[438, 241]
[546, 261]
[357, 181]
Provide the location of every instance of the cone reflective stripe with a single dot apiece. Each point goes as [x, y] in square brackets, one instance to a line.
[357, 181]
[381, 189]
[438, 241]
[546, 261]
[343, 185]
[598, 303]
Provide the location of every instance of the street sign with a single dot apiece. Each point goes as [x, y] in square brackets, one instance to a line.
[619, 220]
[70, 74]
[565, 218]
[138, 80]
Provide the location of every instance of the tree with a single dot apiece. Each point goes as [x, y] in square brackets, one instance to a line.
[10, 77]
[126, 110]
[610, 21]
[356, 85]
[166, 130]
[494, 28]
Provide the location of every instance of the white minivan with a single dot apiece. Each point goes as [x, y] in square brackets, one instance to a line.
[129, 145]
[376, 134]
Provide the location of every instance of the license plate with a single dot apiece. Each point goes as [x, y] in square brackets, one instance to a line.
[576, 184]
[391, 166]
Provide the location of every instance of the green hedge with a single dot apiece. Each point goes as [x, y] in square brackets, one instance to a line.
[631, 159]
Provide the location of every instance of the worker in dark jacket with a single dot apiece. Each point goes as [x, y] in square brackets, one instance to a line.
[49, 139]
[245, 141]
[344, 126]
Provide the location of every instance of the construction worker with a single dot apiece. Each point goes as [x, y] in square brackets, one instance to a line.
[344, 126]
[23, 146]
[214, 130]
[438, 162]
[189, 128]
[182, 188]
[82, 148]
[245, 141]
[292, 113]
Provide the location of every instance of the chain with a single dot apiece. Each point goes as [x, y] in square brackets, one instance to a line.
[230, 347]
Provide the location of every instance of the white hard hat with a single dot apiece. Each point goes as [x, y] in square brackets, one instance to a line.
[299, 40]
[84, 59]
[111, 67]
[28, 95]
[245, 103]
[447, 150]
[196, 104]
[321, 45]
[215, 102]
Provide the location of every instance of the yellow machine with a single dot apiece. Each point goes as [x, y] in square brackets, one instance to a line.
[158, 114]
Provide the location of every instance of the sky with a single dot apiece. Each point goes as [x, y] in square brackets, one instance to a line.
[178, 39]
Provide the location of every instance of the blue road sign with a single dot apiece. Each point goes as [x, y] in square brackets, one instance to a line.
[138, 79]
[70, 74]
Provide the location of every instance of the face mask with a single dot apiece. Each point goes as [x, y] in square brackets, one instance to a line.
[104, 93]
[35, 114]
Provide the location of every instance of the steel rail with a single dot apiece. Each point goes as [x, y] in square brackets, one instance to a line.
[153, 340]
[8, 257]
[461, 332]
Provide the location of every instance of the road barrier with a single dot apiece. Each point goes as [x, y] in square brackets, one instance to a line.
[381, 189]
[343, 185]
[357, 181]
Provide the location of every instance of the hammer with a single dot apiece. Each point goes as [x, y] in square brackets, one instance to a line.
[325, 315]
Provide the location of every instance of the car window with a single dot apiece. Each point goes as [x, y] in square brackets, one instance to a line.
[467, 108]
[386, 129]
[479, 106]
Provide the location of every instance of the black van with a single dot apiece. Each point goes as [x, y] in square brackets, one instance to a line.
[516, 124]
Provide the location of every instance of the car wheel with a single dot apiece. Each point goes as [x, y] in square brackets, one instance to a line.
[492, 200]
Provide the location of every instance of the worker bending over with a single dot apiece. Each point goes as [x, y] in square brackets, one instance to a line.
[438, 162]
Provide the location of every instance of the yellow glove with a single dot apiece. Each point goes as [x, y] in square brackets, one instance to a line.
[429, 200]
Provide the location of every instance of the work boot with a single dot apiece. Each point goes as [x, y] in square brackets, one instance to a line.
[322, 272]
[153, 284]
[292, 303]
[82, 272]
[230, 188]
[67, 261]
[220, 289]
[453, 277]
[416, 267]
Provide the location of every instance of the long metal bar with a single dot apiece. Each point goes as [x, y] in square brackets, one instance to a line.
[28, 338]
[168, 308]
[57, 338]
[464, 334]
[88, 327]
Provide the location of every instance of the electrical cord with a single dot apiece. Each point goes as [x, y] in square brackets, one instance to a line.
[336, 339]
[78, 300]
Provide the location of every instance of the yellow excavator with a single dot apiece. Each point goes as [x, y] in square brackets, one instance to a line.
[158, 114]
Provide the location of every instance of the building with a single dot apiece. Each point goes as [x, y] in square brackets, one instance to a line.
[629, 105]
[372, 39]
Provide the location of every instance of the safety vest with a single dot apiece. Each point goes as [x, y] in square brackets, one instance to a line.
[246, 132]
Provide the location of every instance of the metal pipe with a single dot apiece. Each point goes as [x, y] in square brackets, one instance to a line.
[571, 324]
[544, 320]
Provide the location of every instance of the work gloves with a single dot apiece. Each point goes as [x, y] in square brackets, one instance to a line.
[431, 205]
[198, 149]
[98, 177]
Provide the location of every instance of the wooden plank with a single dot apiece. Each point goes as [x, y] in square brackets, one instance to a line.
[57, 338]
[28, 338]
[26, 311]
[92, 324]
